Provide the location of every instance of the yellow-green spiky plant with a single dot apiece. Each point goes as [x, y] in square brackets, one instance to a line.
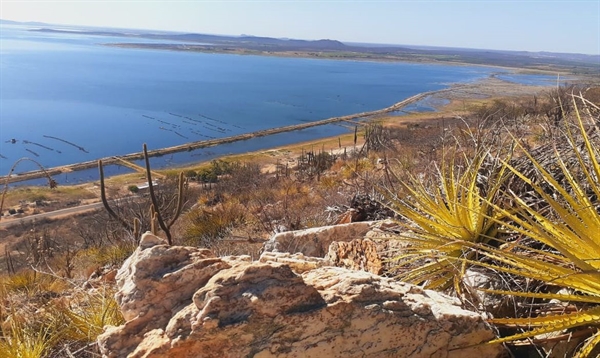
[444, 213]
[22, 341]
[572, 232]
[94, 311]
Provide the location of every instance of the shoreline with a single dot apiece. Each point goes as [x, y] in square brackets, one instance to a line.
[189, 146]
[478, 90]
[319, 55]
[459, 100]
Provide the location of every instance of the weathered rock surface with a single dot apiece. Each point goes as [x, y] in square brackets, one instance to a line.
[297, 262]
[357, 254]
[183, 302]
[375, 255]
[355, 246]
[315, 241]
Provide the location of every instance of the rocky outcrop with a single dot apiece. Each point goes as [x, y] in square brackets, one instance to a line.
[315, 241]
[184, 302]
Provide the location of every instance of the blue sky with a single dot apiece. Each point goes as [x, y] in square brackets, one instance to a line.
[558, 26]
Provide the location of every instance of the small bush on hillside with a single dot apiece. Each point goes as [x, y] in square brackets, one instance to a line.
[190, 174]
[312, 165]
[204, 226]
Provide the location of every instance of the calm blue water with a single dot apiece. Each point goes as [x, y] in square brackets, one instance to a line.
[108, 101]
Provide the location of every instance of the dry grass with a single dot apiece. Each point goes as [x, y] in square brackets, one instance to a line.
[45, 316]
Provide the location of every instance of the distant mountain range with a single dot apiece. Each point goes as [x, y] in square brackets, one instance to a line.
[244, 41]
[31, 23]
[575, 63]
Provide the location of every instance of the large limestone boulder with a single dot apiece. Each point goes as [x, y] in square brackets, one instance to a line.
[184, 302]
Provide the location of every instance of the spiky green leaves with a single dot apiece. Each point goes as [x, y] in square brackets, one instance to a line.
[454, 224]
[442, 214]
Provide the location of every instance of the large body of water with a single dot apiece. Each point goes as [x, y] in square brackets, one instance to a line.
[65, 98]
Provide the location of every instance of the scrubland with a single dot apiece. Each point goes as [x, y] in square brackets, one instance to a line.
[506, 187]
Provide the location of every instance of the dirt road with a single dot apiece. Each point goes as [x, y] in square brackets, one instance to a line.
[5, 223]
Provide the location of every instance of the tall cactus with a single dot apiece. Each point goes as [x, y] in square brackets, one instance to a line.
[159, 217]
[155, 214]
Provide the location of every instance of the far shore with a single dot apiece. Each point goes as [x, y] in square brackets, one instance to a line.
[349, 56]
[335, 50]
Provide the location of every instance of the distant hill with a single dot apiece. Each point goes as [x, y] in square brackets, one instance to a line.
[327, 48]
[31, 23]
[243, 41]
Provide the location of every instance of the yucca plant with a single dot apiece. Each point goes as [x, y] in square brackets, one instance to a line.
[571, 233]
[86, 320]
[30, 283]
[453, 228]
[442, 214]
[27, 342]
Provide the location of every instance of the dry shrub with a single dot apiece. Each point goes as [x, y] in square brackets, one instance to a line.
[206, 225]
[59, 320]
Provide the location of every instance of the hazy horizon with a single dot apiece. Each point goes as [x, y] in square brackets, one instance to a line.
[533, 26]
[366, 44]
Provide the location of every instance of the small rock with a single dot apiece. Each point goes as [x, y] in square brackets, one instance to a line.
[149, 240]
